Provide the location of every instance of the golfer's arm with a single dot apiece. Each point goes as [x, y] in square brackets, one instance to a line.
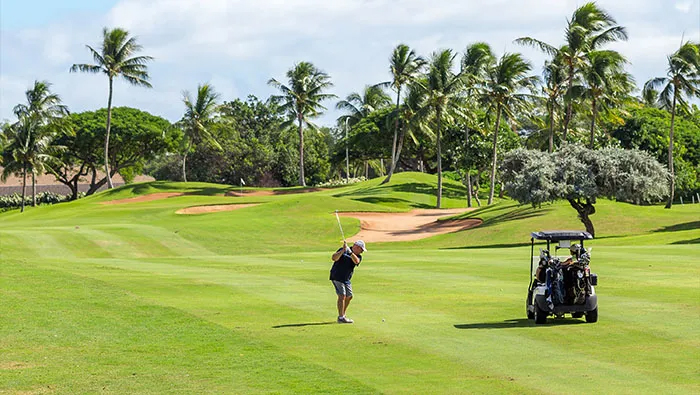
[355, 259]
[337, 255]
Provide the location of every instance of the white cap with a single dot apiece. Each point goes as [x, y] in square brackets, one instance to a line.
[361, 244]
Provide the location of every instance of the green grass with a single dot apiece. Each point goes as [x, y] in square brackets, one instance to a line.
[137, 299]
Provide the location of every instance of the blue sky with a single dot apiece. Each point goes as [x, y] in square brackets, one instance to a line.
[238, 45]
[21, 14]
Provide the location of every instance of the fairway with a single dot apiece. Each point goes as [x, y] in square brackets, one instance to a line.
[134, 298]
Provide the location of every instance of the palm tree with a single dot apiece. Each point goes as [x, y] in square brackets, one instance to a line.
[606, 80]
[552, 89]
[404, 66]
[682, 81]
[359, 106]
[301, 100]
[443, 100]
[502, 93]
[27, 150]
[199, 114]
[114, 59]
[46, 108]
[589, 28]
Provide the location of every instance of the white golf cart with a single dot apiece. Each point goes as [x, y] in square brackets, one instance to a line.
[557, 289]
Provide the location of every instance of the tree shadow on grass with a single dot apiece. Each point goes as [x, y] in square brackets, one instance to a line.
[304, 324]
[482, 246]
[693, 241]
[388, 201]
[517, 323]
[679, 227]
[448, 191]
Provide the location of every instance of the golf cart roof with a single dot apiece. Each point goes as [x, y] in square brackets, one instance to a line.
[557, 235]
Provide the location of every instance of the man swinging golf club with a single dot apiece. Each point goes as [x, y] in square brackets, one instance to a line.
[344, 262]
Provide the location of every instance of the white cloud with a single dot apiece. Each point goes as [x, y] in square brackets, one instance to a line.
[237, 45]
[684, 6]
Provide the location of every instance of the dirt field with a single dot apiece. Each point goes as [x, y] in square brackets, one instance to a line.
[414, 225]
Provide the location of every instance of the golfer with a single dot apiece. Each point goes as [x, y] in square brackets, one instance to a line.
[344, 262]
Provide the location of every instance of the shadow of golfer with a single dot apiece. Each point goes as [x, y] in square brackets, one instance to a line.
[516, 323]
[304, 324]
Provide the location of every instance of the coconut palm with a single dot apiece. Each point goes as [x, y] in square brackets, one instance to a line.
[605, 82]
[301, 100]
[682, 82]
[199, 115]
[589, 28]
[27, 150]
[115, 59]
[46, 108]
[359, 106]
[443, 100]
[553, 90]
[404, 66]
[503, 93]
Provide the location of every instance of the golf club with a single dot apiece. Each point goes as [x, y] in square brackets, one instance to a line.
[340, 226]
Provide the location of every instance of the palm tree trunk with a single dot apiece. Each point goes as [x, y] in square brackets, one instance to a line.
[439, 161]
[301, 152]
[24, 185]
[184, 161]
[394, 153]
[569, 104]
[33, 188]
[109, 124]
[593, 117]
[669, 203]
[469, 180]
[494, 153]
[551, 128]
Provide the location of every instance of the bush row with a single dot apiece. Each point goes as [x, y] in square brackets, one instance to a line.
[15, 200]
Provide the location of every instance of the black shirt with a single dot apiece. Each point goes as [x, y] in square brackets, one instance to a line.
[344, 267]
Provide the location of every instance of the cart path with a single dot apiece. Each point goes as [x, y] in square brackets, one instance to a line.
[414, 225]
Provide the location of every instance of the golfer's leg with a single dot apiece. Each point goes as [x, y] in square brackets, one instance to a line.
[347, 302]
[341, 305]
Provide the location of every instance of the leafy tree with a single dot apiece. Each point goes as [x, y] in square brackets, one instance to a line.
[301, 100]
[114, 59]
[199, 115]
[404, 66]
[138, 138]
[581, 176]
[682, 81]
[589, 28]
[47, 109]
[646, 128]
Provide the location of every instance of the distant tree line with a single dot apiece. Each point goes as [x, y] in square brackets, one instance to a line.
[456, 114]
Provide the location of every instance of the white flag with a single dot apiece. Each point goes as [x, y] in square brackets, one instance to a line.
[242, 182]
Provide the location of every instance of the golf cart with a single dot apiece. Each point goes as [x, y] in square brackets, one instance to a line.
[558, 285]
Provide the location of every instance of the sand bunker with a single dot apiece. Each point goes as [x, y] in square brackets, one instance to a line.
[145, 198]
[414, 225]
[213, 208]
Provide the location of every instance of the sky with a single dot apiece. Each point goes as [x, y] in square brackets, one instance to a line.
[238, 45]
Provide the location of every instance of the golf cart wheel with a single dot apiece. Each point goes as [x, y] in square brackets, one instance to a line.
[540, 315]
[576, 315]
[592, 316]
